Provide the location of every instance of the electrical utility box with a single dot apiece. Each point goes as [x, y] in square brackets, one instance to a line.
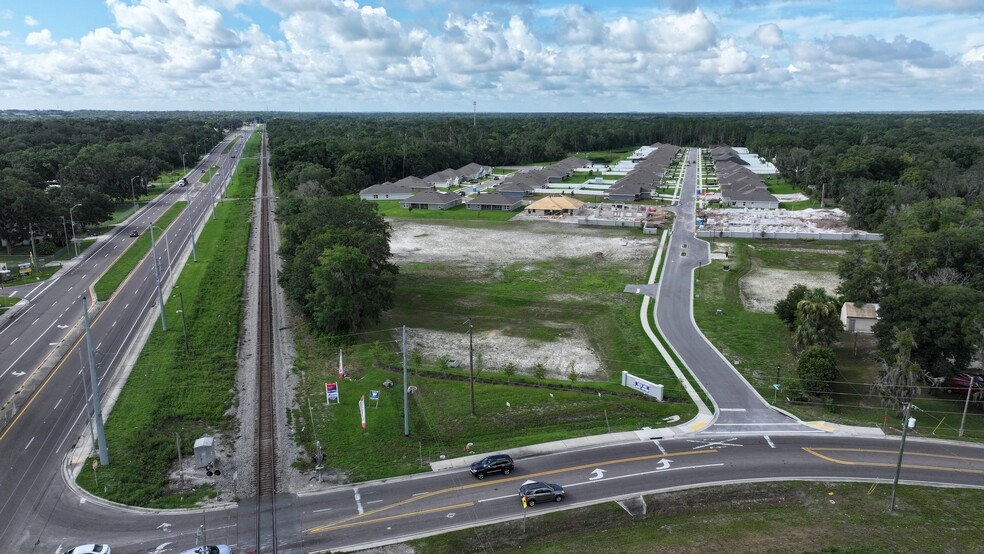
[204, 452]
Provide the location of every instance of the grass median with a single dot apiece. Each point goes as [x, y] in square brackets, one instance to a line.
[115, 275]
[172, 392]
[760, 517]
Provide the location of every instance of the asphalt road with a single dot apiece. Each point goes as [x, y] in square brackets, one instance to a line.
[45, 427]
[746, 441]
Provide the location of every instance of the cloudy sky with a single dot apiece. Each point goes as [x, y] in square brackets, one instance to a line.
[506, 55]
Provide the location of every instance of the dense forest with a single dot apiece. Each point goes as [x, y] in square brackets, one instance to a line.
[915, 177]
[50, 162]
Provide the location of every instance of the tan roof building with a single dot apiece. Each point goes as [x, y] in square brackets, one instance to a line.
[555, 205]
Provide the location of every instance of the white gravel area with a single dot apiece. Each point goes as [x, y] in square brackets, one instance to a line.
[492, 246]
[762, 288]
[498, 350]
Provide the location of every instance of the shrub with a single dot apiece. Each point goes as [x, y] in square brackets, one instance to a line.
[45, 248]
[509, 370]
[539, 371]
[817, 367]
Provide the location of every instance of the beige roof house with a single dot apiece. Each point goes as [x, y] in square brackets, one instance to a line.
[859, 318]
[555, 205]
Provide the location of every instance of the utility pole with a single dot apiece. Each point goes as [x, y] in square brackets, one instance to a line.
[406, 388]
[177, 439]
[65, 230]
[184, 327]
[72, 218]
[898, 466]
[157, 275]
[96, 408]
[963, 418]
[471, 372]
[775, 398]
[191, 232]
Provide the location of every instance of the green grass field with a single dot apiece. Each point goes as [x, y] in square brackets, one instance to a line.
[544, 301]
[391, 208]
[170, 391]
[798, 517]
[115, 275]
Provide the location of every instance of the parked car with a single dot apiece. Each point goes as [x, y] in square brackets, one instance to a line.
[541, 492]
[962, 381]
[215, 549]
[493, 464]
[134, 233]
[89, 549]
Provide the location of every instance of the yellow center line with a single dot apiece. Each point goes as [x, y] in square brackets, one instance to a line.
[908, 453]
[883, 464]
[484, 483]
[389, 518]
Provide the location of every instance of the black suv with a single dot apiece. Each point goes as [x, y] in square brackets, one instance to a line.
[493, 464]
[541, 492]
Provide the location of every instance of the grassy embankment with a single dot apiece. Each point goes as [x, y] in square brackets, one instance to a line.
[172, 391]
[115, 275]
[543, 301]
[761, 342]
[766, 517]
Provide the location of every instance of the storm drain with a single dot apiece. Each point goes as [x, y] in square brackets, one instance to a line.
[634, 506]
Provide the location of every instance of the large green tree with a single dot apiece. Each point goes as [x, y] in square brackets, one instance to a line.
[936, 316]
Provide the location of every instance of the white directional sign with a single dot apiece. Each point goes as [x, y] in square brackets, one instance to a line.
[646, 387]
[663, 464]
[597, 474]
[18, 373]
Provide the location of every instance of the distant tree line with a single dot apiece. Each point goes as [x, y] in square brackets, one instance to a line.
[51, 162]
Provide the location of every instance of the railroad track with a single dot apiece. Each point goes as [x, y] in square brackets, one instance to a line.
[266, 467]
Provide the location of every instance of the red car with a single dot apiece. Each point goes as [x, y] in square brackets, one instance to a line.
[960, 382]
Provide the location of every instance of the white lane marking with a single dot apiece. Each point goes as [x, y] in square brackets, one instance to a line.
[13, 341]
[55, 303]
[373, 501]
[30, 292]
[358, 499]
[739, 424]
[28, 348]
[733, 410]
[660, 446]
[321, 510]
[419, 493]
[114, 324]
[644, 473]
[29, 443]
[35, 321]
[499, 498]
[98, 346]
[768, 440]
[57, 404]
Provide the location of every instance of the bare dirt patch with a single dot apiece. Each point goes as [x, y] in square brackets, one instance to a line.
[485, 246]
[761, 288]
[488, 250]
[558, 357]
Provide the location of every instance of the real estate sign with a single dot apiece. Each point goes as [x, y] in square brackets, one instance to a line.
[646, 387]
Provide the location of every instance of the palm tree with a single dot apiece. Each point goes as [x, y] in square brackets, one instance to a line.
[817, 321]
[899, 379]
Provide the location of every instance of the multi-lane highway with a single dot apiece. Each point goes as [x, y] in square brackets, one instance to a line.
[42, 354]
[745, 440]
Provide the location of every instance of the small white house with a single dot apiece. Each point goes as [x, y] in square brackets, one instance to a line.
[859, 318]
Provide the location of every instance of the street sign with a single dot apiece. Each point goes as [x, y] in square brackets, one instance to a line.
[775, 386]
[331, 392]
[374, 395]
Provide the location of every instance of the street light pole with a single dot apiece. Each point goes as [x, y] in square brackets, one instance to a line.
[157, 275]
[191, 228]
[184, 327]
[183, 166]
[96, 408]
[134, 194]
[72, 218]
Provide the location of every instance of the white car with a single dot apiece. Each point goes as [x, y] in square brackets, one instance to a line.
[89, 549]
[214, 549]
